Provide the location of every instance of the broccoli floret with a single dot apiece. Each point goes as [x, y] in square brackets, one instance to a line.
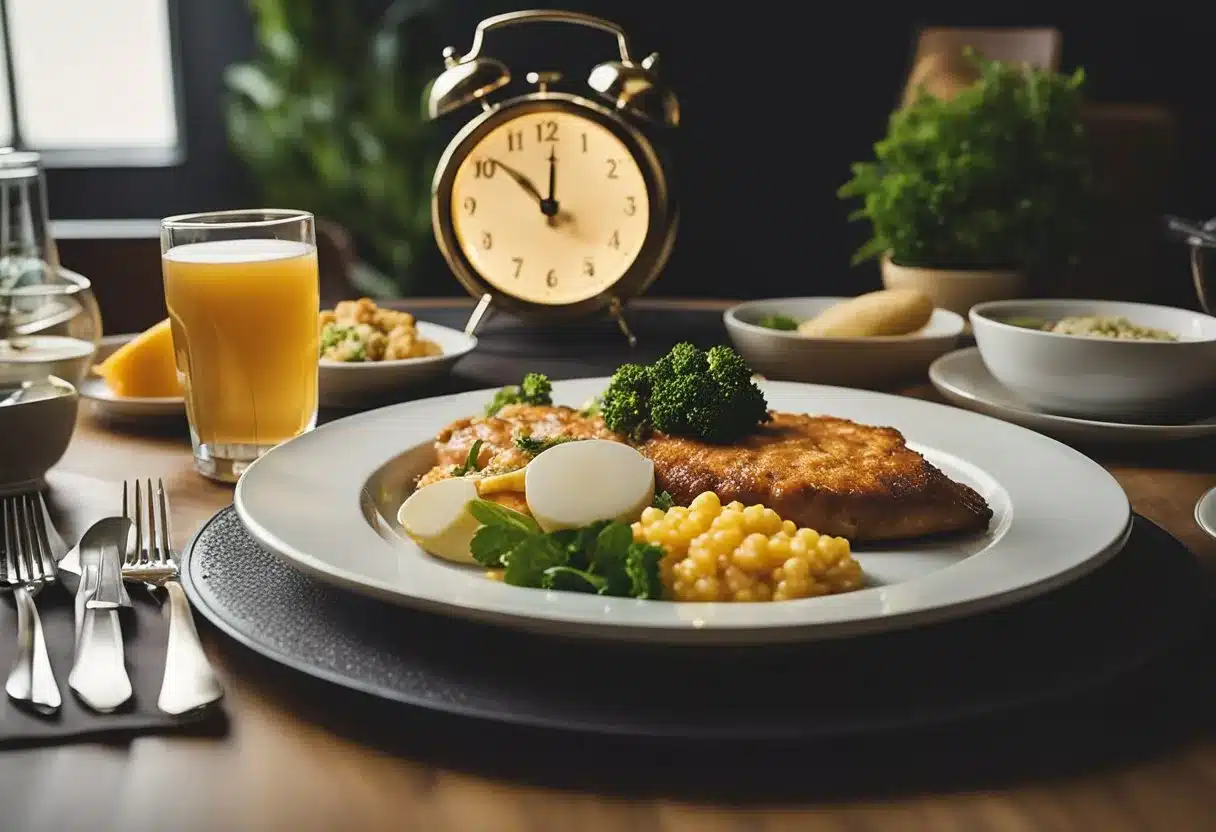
[703, 395]
[535, 389]
[685, 405]
[683, 358]
[624, 404]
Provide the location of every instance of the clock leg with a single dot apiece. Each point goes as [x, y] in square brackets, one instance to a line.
[617, 311]
[480, 313]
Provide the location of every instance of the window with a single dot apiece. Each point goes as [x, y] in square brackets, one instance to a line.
[90, 84]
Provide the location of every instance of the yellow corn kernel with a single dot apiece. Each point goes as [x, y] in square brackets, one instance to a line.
[745, 554]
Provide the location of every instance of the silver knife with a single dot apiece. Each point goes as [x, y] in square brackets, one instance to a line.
[99, 674]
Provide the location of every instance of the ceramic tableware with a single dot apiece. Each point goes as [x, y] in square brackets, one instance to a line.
[1111, 379]
[963, 379]
[853, 362]
[36, 425]
[326, 503]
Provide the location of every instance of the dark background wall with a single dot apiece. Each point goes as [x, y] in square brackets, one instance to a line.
[778, 98]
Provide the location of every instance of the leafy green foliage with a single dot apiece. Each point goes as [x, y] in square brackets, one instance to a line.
[534, 389]
[327, 117]
[688, 392]
[470, 461]
[997, 177]
[532, 445]
[601, 558]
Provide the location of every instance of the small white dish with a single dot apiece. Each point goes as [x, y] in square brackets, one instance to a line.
[852, 362]
[356, 383]
[964, 380]
[326, 503]
[1205, 512]
[1099, 378]
[35, 430]
[104, 402]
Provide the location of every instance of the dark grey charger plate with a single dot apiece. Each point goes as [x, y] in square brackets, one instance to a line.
[1091, 632]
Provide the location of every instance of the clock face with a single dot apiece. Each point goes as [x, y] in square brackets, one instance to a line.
[550, 207]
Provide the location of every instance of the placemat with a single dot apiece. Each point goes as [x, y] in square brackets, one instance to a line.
[1049, 647]
[145, 634]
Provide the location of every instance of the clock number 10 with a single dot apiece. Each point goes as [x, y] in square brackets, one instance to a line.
[484, 169]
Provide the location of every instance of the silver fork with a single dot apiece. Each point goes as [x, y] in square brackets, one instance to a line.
[189, 682]
[28, 565]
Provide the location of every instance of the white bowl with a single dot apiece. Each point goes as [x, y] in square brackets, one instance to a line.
[34, 433]
[355, 383]
[1094, 377]
[848, 362]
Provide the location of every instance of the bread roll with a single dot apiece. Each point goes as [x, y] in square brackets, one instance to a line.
[889, 312]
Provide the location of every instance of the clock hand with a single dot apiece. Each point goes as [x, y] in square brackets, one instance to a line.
[548, 205]
[522, 181]
[552, 179]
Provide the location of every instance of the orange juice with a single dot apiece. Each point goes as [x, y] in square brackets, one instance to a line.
[244, 318]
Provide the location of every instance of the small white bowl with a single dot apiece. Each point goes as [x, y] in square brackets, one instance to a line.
[1093, 377]
[34, 433]
[356, 383]
[848, 362]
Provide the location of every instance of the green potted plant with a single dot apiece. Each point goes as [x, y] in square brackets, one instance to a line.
[970, 196]
[327, 117]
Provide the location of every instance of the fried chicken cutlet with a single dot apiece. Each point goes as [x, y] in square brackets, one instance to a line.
[833, 475]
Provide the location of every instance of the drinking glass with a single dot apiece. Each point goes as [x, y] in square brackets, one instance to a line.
[49, 320]
[243, 297]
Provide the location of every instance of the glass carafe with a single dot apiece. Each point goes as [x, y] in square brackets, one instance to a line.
[49, 320]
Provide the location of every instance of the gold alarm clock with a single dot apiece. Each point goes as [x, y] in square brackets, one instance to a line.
[549, 204]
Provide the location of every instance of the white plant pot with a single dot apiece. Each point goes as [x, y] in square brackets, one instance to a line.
[955, 289]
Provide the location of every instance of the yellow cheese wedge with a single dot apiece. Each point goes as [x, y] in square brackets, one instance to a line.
[144, 367]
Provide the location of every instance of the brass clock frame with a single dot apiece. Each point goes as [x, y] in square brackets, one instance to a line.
[660, 232]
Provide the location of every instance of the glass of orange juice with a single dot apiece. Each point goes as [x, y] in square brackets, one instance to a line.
[243, 297]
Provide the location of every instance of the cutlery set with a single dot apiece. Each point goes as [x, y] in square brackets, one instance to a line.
[134, 547]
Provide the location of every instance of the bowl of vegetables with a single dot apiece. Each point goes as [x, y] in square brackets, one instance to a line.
[871, 341]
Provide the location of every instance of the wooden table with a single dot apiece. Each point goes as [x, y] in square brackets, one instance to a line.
[296, 758]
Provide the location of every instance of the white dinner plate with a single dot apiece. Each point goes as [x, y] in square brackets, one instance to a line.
[355, 383]
[1205, 512]
[103, 401]
[326, 503]
[962, 379]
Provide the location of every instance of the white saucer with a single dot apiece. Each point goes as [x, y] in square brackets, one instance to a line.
[963, 380]
[1205, 512]
[103, 401]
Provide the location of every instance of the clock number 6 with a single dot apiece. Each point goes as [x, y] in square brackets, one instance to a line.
[551, 278]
